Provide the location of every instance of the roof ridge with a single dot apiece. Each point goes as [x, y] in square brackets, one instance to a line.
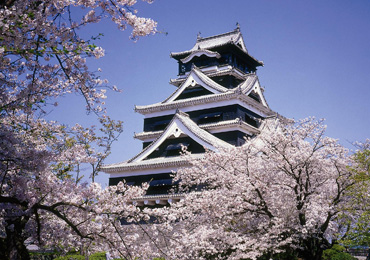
[202, 134]
[218, 35]
[204, 78]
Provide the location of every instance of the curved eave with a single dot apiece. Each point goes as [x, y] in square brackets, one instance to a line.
[201, 79]
[247, 56]
[198, 53]
[181, 55]
[231, 123]
[161, 199]
[161, 196]
[143, 136]
[148, 135]
[202, 100]
[181, 103]
[256, 104]
[162, 162]
[203, 135]
[217, 71]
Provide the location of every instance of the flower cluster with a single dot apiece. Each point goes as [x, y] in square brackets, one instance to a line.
[281, 191]
[42, 57]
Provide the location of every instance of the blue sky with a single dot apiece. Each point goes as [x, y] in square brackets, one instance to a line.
[316, 56]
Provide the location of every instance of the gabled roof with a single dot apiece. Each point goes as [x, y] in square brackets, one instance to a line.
[252, 84]
[196, 76]
[180, 125]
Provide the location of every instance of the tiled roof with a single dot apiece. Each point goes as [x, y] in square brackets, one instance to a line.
[206, 80]
[236, 93]
[200, 133]
[161, 196]
[192, 127]
[199, 53]
[161, 162]
[248, 83]
[217, 40]
[209, 126]
[161, 199]
[209, 81]
[214, 41]
[234, 38]
[229, 123]
[202, 100]
[182, 103]
[214, 73]
[247, 86]
[148, 134]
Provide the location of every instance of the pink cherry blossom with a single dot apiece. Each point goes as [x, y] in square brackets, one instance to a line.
[42, 57]
[282, 191]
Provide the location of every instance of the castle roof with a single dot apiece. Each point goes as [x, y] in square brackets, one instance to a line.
[238, 101]
[240, 92]
[214, 71]
[180, 125]
[196, 76]
[126, 166]
[233, 38]
[228, 124]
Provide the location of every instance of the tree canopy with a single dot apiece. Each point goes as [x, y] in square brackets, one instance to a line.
[281, 192]
[357, 218]
[42, 58]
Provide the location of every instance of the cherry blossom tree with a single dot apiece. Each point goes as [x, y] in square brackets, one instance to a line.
[358, 223]
[279, 193]
[42, 57]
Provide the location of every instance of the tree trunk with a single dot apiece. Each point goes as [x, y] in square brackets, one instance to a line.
[14, 241]
[313, 248]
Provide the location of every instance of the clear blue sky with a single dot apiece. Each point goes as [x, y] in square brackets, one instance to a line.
[316, 55]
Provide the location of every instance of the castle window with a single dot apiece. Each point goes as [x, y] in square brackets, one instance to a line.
[210, 118]
[161, 182]
[160, 125]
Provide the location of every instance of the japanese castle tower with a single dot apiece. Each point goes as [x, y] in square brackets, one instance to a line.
[218, 101]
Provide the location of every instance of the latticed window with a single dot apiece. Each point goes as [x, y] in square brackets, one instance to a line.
[210, 118]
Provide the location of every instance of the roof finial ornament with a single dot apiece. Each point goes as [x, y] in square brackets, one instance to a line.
[198, 36]
[237, 27]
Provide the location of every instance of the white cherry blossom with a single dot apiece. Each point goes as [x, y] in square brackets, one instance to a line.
[42, 57]
[282, 191]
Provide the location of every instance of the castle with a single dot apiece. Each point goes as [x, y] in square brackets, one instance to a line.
[218, 102]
